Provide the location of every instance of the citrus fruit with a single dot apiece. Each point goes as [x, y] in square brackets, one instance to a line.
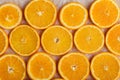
[104, 13]
[40, 14]
[10, 16]
[74, 66]
[41, 67]
[73, 15]
[113, 39]
[58, 79]
[89, 39]
[24, 40]
[56, 40]
[12, 67]
[3, 41]
[105, 66]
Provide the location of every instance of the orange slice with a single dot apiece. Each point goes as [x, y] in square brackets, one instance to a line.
[105, 66]
[74, 66]
[89, 39]
[24, 40]
[3, 41]
[12, 67]
[113, 39]
[58, 79]
[10, 16]
[40, 14]
[73, 15]
[41, 67]
[104, 13]
[56, 40]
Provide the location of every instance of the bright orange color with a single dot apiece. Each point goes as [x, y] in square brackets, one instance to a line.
[40, 14]
[58, 79]
[12, 67]
[113, 39]
[41, 67]
[56, 40]
[105, 66]
[74, 66]
[10, 16]
[24, 40]
[3, 41]
[73, 15]
[89, 39]
[104, 13]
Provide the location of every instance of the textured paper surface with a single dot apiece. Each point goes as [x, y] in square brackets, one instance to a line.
[59, 4]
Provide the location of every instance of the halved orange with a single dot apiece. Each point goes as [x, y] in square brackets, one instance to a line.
[113, 39]
[41, 67]
[58, 79]
[73, 15]
[40, 14]
[56, 40]
[89, 39]
[104, 13]
[3, 41]
[24, 40]
[105, 66]
[12, 67]
[74, 66]
[10, 16]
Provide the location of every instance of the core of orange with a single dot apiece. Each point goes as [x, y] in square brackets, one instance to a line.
[24, 40]
[74, 66]
[89, 39]
[104, 13]
[3, 41]
[73, 15]
[56, 40]
[113, 39]
[12, 67]
[10, 15]
[41, 67]
[105, 66]
[40, 14]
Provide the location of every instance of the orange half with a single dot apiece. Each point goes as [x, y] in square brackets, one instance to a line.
[41, 67]
[73, 15]
[10, 16]
[40, 14]
[104, 13]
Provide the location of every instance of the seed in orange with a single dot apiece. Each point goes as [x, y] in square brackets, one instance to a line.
[104, 13]
[12, 67]
[41, 67]
[74, 66]
[113, 39]
[24, 40]
[40, 14]
[105, 66]
[10, 16]
[56, 40]
[73, 15]
[3, 41]
[89, 39]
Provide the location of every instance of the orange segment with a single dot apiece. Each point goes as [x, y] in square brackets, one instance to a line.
[89, 39]
[41, 67]
[24, 40]
[40, 14]
[105, 66]
[3, 41]
[74, 66]
[12, 67]
[10, 16]
[113, 39]
[73, 15]
[56, 40]
[104, 13]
